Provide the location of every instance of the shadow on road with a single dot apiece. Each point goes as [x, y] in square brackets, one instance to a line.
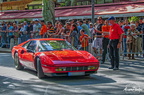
[12, 86]
[50, 86]
[75, 80]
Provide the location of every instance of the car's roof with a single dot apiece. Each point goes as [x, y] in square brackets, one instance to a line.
[42, 39]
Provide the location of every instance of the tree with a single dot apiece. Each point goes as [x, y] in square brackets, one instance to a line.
[49, 10]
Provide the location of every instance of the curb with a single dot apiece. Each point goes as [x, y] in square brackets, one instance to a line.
[3, 50]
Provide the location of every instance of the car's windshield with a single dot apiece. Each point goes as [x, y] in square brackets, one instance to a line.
[50, 45]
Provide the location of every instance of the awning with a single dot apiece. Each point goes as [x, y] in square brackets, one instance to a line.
[35, 14]
[11, 15]
[100, 10]
[78, 12]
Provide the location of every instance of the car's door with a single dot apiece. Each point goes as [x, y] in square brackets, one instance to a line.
[22, 52]
[28, 55]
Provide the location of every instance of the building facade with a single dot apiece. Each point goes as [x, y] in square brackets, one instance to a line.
[33, 9]
[37, 4]
[88, 2]
[10, 5]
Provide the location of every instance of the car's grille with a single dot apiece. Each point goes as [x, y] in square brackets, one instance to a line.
[76, 68]
[77, 57]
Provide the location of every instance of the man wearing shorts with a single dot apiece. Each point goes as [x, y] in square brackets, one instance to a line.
[97, 42]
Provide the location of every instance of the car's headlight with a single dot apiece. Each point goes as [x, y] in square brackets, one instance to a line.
[61, 69]
[92, 67]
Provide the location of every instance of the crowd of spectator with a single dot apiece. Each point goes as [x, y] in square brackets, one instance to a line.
[78, 32]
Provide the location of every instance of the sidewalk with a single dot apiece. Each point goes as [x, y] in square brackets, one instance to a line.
[5, 50]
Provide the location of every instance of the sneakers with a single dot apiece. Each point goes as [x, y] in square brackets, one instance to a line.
[110, 67]
[102, 62]
[115, 68]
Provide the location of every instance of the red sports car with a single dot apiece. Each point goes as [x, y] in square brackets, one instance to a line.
[53, 57]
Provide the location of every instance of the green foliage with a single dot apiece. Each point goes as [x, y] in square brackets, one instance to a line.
[134, 18]
[24, 19]
[62, 4]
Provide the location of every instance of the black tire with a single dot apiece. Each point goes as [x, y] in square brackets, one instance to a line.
[40, 72]
[18, 65]
[87, 75]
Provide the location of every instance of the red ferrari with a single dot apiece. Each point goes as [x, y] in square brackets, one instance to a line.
[53, 57]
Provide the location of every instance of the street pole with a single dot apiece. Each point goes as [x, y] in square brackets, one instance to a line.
[1, 6]
[92, 4]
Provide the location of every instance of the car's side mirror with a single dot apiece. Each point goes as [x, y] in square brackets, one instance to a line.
[29, 50]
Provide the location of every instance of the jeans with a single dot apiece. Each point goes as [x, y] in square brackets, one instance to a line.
[124, 45]
[24, 38]
[84, 48]
[114, 53]
[3, 39]
[9, 38]
[143, 44]
[105, 43]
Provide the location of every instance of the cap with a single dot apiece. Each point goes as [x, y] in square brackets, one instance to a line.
[49, 22]
[112, 18]
[141, 18]
[90, 24]
[29, 23]
[70, 20]
[25, 22]
[35, 19]
[99, 17]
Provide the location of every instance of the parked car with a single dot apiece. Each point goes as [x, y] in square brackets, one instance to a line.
[53, 57]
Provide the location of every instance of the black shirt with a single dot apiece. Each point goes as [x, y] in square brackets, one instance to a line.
[139, 28]
[99, 27]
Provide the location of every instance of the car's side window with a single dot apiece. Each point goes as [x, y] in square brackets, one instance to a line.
[39, 49]
[25, 45]
[32, 45]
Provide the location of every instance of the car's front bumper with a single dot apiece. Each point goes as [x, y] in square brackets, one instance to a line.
[66, 74]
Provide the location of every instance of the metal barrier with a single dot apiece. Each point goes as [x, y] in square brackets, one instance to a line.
[132, 45]
[136, 47]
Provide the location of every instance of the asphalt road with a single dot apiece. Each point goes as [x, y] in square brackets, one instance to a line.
[129, 80]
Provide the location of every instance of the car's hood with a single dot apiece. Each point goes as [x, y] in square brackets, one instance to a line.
[70, 55]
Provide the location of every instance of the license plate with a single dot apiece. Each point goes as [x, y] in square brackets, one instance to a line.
[76, 73]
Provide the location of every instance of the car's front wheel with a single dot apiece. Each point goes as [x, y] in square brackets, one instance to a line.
[18, 65]
[40, 72]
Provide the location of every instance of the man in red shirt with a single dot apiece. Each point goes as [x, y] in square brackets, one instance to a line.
[115, 36]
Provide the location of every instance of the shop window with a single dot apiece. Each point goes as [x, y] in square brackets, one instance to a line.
[40, 7]
[124, 0]
[116, 1]
[30, 7]
[36, 7]
[59, 1]
[79, 3]
[13, 0]
[100, 1]
[108, 1]
[4, 0]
